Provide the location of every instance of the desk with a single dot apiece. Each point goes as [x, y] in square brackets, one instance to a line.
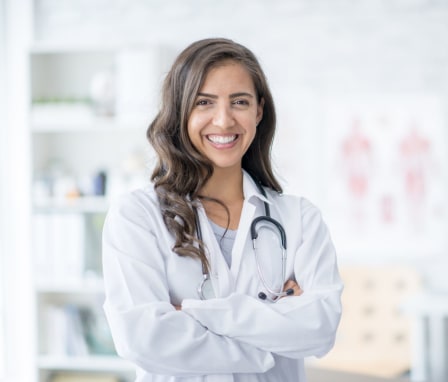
[429, 312]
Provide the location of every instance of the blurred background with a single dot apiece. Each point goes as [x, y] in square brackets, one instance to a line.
[361, 90]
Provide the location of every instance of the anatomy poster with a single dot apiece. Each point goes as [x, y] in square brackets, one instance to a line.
[386, 166]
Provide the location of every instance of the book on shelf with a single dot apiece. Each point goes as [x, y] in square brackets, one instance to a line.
[63, 331]
[76, 343]
[53, 329]
[58, 247]
[96, 331]
[76, 331]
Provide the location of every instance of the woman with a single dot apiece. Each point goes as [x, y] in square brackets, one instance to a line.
[187, 296]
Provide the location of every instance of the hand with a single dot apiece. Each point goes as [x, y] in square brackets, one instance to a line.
[291, 284]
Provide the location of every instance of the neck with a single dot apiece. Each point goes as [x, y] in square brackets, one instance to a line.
[225, 185]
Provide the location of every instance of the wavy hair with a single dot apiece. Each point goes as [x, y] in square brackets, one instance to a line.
[181, 171]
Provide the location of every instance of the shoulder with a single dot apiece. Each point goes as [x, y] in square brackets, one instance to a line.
[301, 219]
[135, 205]
[293, 204]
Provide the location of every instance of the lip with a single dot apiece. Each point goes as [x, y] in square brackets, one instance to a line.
[224, 143]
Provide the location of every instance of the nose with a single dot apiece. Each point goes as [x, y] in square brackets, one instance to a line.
[223, 117]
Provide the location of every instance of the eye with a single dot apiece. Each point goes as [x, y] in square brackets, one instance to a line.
[202, 102]
[241, 102]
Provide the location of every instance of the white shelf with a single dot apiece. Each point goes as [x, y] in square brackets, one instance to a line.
[87, 287]
[62, 118]
[85, 204]
[89, 363]
[95, 125]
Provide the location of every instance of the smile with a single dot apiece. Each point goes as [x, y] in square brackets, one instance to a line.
[222, 139]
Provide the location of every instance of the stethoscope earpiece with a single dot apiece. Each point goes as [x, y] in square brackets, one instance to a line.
[262, 296]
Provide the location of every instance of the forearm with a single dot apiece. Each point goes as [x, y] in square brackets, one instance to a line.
[165, 341]
[295, 326]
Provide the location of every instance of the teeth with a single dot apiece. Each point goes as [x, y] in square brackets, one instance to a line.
[222, 139]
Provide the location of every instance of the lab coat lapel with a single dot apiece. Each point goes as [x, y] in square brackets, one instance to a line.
[242, 236]
[219, 272]
[252, 207]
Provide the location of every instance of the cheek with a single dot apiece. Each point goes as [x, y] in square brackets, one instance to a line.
[195, 124]
[192, 128]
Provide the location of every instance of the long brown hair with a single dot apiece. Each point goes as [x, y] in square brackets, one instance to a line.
[181, 171]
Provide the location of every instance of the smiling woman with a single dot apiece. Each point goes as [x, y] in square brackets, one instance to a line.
[210, 272]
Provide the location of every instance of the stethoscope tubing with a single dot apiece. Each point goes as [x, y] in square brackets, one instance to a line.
[205, 278]
[254, 235]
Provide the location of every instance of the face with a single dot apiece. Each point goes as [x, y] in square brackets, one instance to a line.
[223, 122]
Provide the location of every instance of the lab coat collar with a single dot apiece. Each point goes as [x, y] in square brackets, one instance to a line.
[251, 190]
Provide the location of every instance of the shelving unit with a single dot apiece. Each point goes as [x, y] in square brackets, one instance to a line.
[60, 352]
[87, 123]
[86, 204]
[89, 366]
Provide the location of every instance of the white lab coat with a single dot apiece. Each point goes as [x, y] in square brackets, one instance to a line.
[235, 337]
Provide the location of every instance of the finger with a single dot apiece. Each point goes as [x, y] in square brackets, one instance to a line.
[289, 284]
[292, 285]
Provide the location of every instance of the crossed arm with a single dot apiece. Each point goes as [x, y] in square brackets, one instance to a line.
[289, 284]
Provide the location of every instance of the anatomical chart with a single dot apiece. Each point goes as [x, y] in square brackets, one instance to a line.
[386, 168]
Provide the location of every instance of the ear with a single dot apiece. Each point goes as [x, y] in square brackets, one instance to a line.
[260, 108]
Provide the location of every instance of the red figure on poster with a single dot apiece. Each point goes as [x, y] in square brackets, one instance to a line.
[415, 151]
[356, 153]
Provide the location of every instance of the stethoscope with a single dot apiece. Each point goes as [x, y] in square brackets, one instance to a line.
[272, 295]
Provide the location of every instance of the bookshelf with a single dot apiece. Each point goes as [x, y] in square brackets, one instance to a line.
[87, 134]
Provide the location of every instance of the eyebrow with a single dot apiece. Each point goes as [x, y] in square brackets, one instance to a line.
[233, 95]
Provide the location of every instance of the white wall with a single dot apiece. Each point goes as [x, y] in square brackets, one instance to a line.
[14, 197]
[2, 176]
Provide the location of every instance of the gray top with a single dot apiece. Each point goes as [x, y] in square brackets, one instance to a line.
[225, 239]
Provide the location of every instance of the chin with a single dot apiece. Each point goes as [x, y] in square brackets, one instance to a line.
[227, 166]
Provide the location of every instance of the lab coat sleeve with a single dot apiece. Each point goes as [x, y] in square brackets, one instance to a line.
[296, 326]
[145, 327]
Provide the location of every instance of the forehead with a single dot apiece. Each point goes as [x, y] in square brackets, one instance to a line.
[228, 74]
